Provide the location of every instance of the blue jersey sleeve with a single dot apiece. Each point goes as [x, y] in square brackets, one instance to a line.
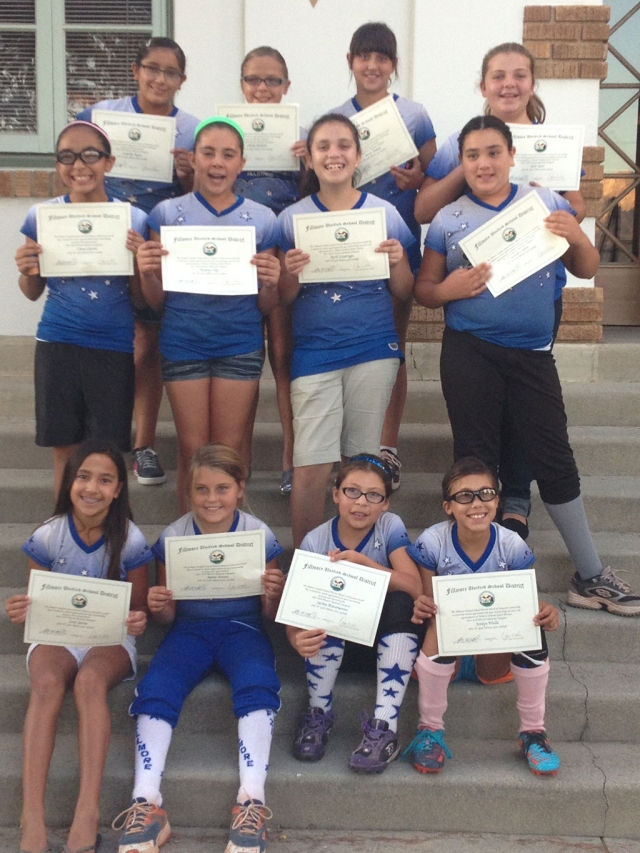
[519, 555]
[37, 546]
[157, 217]
[29, 226]
[444, 161]
[397, 536]
[397, 228]
[424, 128]
[136, 552]
[272, 547]
[286, 231]
[270, 236]
[84, 115]
[424, 551]
[435, 238]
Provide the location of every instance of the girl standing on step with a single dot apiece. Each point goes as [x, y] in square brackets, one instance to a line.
[496, 359]
[159, 71]
[90, 534]
[470, 543]
[346, 349]
[373, 62]
[212, 346]
[84, 372]
[223, 633]
[363, 532]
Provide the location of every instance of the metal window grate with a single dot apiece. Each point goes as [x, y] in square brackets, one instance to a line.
[18, 82]
[135, 12]
[17, 12]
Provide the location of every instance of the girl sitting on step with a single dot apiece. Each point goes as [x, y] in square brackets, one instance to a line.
[224, 633]
[91, 535]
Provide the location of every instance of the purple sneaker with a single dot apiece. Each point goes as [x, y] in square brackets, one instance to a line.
[313, 735]
[378, 747]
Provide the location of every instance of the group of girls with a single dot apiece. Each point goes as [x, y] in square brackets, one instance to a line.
[92, 534]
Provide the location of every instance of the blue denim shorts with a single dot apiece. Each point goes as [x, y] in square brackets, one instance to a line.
[247, 366]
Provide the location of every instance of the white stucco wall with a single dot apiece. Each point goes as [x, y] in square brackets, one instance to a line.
[440, 44]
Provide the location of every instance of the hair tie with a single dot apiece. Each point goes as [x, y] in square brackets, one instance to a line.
[220, 120]
[81, 123]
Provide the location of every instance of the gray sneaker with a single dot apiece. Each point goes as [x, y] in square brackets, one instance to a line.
[147, 468]
[605, 590]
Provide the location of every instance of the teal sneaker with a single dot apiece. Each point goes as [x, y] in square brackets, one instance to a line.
[427, 751]
[542, 760]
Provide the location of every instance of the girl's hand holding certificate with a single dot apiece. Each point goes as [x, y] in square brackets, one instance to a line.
[26, 257]
[424, 608]
[16, 608]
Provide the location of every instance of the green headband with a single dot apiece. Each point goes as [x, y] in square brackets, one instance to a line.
[219, 120]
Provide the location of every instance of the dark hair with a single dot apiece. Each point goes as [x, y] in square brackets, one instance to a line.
[162, 43]
[375, 37]
[105, 142]
[365, 462]
[224, 125]
[485, 123]
[219, 457]
[264, 50]
[309, 181]
[116, 524]
[465, 467]
[536, 111]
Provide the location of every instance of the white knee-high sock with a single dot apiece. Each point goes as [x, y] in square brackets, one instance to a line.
[255, 731]
[396, 656]
[153, 738]
[322, 670]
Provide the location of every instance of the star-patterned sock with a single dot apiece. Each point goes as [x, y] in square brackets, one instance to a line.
[396, 656]
[255, 731]
[322, 670]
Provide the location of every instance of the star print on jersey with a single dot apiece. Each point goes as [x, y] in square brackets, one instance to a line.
[502, 564]
[62, 561]
[93, 294]
[246, 216]
[464, 226]
[133, 199]
[107, 281]
[377, 544]
[447, 561]
[84, 573]
[395, 673]
[456, 213]
[336, 298]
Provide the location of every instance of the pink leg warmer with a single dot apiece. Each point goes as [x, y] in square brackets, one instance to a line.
[434, 681]
[532, 687]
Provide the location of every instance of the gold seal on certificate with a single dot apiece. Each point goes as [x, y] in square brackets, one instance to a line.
[342, 245]
[384, 139]
[343, 598]
[84, 239]
[215, 565]
[486, 613]
[69, 610]
[269, 132]
[209, 260]
[550, 155]
[140, 143]
[516, 243]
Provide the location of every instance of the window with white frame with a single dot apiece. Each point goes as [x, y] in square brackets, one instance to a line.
[60, 56]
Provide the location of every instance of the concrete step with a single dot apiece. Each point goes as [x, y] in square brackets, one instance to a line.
[585, 701]
[595, 793]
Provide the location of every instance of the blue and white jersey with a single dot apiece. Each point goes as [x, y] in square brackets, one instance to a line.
[276, 190]
[249, 607]
[196, 326]
[522, 317]
[146, 194]
[421, 129]
[386, 536]
[57, 546]
[339, 324]
[89, 311]
[438, 550]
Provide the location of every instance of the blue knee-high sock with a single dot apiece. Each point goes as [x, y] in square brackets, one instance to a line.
[396, 656]
[322, 670]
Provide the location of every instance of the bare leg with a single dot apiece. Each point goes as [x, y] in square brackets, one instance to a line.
[101, 669]
[51, 669]
[307, 498]
[148, 394]
[279, 348]
[393, 417]
[247, 439]
[231, 409]
[189, 401]
[60, 457]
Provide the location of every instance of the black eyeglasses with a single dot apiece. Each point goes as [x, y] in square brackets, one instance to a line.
[155, 71]
[467, 496]
[372, 497]
[89, 156]
[270, 82]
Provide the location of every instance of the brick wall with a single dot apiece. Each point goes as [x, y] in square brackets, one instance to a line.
[30, 183]
[568, 41]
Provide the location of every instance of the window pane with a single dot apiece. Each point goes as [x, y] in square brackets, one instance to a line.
[99, 67]
[17, 11]
[111, 12]
[18, 82]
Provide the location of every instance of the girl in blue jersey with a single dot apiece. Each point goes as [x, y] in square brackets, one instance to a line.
[496, 359]
[159, 70]
[264, 78]
[84, 374]
[212, 346]
[363, 532]
[373, 60]
[89, 535]
[470, 543]
[225, 633]
[346, 349]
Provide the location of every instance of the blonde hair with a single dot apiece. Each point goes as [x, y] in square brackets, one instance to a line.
[536, 111]
[219, 457]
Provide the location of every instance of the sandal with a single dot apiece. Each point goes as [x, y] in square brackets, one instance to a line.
[92, 848]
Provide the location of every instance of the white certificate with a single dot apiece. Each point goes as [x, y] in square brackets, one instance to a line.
[216, 565]
[343, 598]
[550, 155]
[342, 245]
[209, 260]
[486, 613]
[384, 138]
[84, 239]
[516, 243]
[141, 144]
[68, 610]
[269, 132]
